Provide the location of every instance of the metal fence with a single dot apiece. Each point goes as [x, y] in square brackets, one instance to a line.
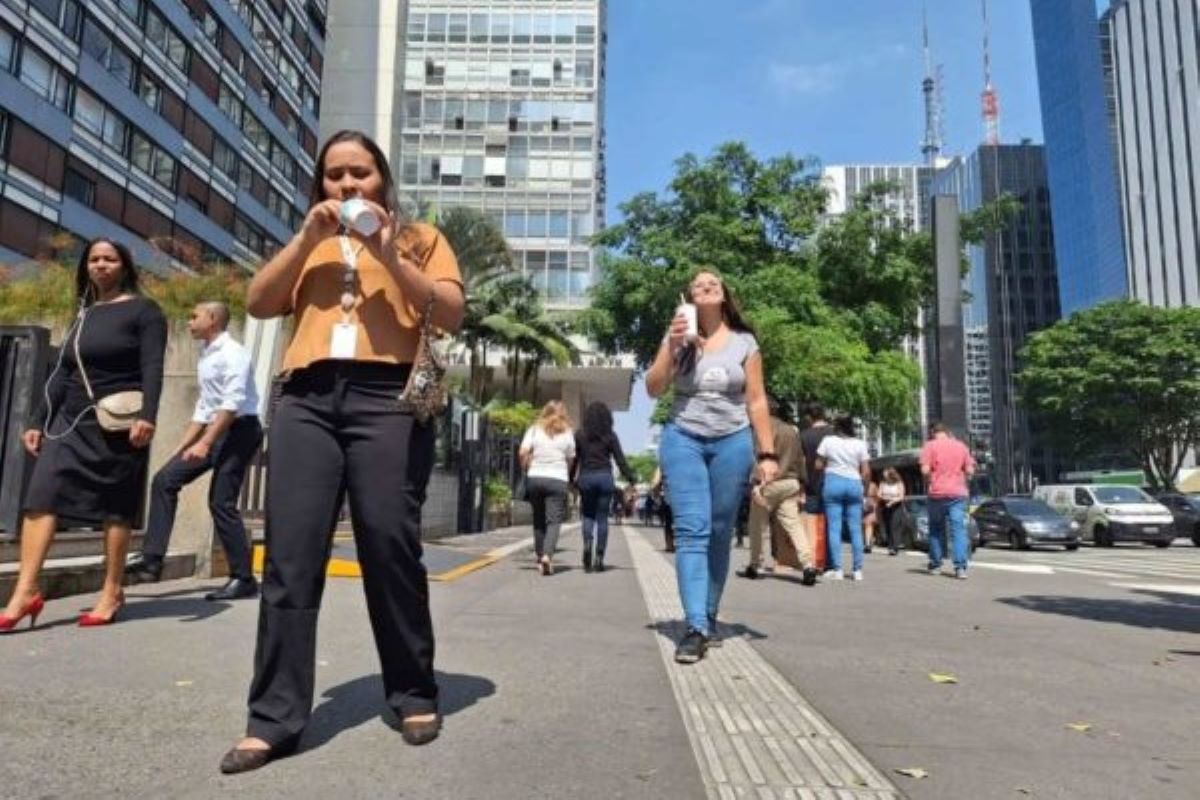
[25, 353]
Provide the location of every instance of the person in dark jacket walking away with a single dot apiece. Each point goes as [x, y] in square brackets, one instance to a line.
[596, 448]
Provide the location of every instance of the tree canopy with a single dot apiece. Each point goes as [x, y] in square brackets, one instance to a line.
[1119, 377]
[831, 299]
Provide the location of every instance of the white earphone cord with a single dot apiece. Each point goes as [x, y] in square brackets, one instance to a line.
[78, 328]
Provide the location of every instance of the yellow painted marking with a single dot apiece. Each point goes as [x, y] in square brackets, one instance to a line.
[344, 568]
[464, 569]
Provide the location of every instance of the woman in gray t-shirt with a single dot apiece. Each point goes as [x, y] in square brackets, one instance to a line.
[707, 450]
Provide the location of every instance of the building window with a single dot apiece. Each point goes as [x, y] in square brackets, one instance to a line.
[132, 9]
[153, 160]
[39, 74]
[99, 45]
[225, 159]
[229, 103]
[65, 14]
[149, 90]
[79, 187]
[166, 39]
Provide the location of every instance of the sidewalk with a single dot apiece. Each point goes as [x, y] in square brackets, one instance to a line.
[1067, 686]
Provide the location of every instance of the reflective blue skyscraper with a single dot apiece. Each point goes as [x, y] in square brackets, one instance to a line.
[1080, 153]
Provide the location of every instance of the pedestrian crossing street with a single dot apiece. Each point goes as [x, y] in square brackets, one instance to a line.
[1180, 562]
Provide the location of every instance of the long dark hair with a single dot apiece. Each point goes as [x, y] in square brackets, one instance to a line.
[317, 193]
[731, 313]
[597, 423]
[83, 282]
[844, 425]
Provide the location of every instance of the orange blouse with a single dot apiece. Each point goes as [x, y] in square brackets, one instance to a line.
[388, 322]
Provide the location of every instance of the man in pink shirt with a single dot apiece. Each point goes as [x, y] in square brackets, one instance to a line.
[947, 464]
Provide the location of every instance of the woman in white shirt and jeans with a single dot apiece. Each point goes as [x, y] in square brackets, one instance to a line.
[846, 462]
[546, 454]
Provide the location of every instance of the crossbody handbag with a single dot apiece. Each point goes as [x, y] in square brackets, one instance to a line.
[116, 412]
[425, 394]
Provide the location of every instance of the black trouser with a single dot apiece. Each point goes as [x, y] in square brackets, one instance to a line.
[548, 497]
[338, 429]
[891, 530]
[228, 459]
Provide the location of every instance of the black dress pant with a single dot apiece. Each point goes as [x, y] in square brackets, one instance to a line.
[228, 459]
[338, 429]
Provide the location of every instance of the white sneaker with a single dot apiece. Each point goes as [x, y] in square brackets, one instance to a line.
[857, 575]
[834, 575]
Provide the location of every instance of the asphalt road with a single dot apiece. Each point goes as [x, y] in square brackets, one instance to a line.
[562, 687]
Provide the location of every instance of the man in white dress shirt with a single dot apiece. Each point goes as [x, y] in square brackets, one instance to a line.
[223, 435]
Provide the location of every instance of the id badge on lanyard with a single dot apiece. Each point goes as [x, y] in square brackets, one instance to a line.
[343, 339]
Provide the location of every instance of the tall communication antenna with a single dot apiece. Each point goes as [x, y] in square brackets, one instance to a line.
[991, 100]
[931, 148]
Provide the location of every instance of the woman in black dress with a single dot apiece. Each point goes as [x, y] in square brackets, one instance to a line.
[82, 471]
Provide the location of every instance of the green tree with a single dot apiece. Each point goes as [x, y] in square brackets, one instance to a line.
[1121, 376]
[643, 465]
[831, 299]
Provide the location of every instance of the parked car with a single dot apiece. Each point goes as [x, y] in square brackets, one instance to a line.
[914, 524]
[1185, 510]
[1113, 513]
[1023, 521]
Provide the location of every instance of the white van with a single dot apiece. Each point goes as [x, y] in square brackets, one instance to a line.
[1110, 513]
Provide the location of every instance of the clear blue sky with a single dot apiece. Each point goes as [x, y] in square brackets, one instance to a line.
[839, 81]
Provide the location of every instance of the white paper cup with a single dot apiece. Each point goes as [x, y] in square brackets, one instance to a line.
[689, 312]
[356, 215]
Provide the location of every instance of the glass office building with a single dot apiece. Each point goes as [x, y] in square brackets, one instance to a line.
[1081, 162]
[187, 128]
[1013, 289]
[502, 110]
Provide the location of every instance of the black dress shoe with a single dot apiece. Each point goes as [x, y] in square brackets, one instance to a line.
[144, 569]
[418, 732]
[598, 564]
[750, 572]
[235, 589]
[243, 760]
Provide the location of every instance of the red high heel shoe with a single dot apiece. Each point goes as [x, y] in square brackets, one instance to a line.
[90, 620]
[32, 610]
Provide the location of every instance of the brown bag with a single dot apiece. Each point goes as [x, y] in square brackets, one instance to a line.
[117, 412]
[425, 395]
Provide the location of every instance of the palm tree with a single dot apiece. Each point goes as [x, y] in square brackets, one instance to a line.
[503, 308]
[485, 260]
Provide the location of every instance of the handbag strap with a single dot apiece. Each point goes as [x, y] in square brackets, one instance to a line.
[87, 385]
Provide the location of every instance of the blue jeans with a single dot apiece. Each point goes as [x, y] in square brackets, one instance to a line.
[596, 491]
[955, 508]
[706, 480]
[843, 499]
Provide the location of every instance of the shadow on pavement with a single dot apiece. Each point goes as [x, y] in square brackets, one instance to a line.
[673, 630]
[1167, 611]
[187, 609]
[356, 702]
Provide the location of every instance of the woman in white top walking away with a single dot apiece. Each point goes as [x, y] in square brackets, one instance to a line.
[546, 454]
[846, 462]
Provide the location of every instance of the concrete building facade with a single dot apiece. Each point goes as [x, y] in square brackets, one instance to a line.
[187, 129]
[1153, 58]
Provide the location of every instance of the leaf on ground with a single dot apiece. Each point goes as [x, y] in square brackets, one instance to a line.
[1081, 727]
[913, 772]
[1024, 790]
[183, 683]
[942, 677]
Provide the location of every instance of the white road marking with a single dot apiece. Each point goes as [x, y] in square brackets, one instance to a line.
[752, 733]
[1190, 589]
